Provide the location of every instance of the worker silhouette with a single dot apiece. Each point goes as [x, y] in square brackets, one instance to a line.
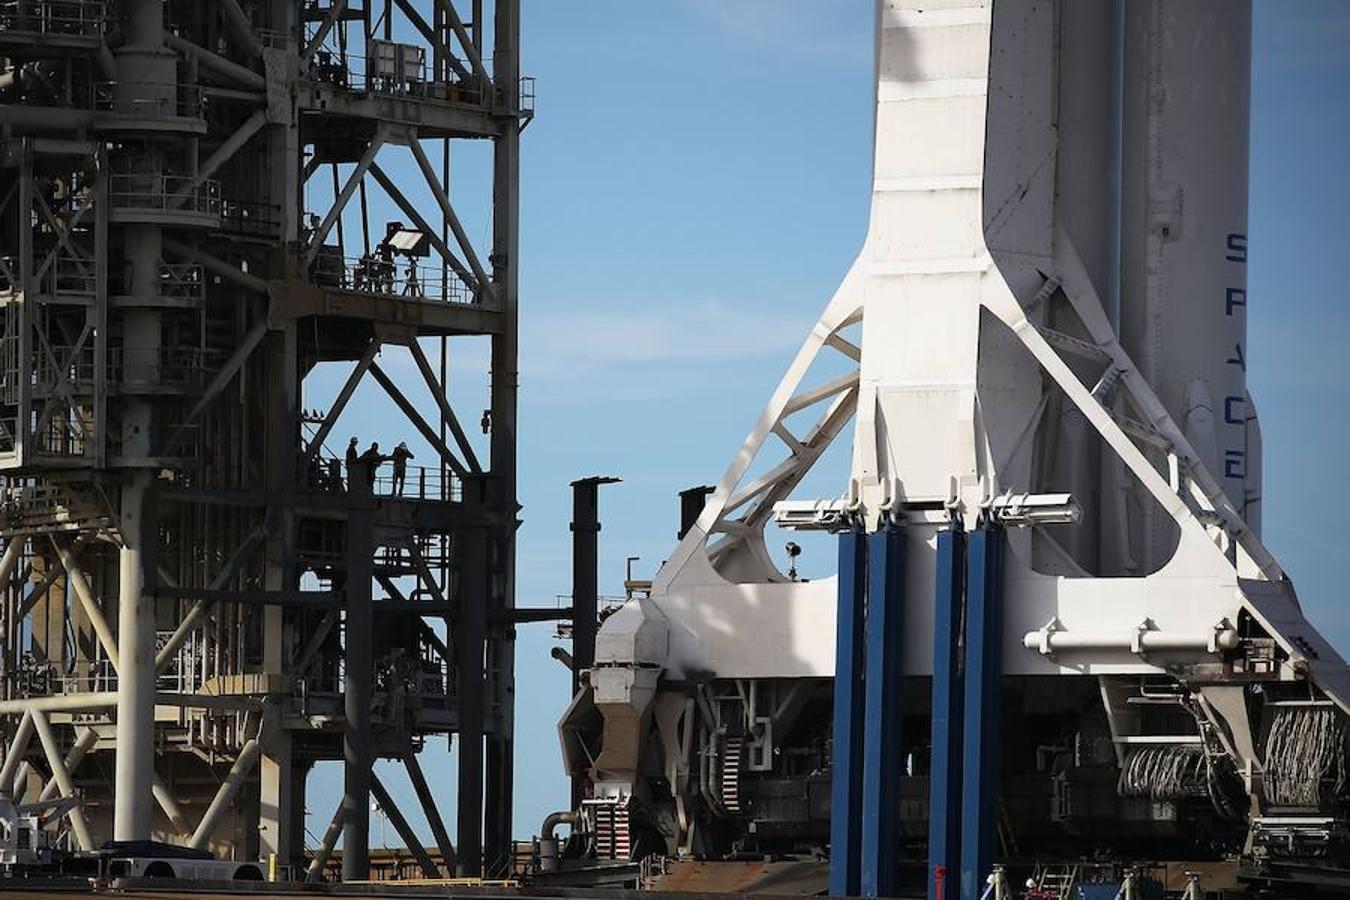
[353, 456]
[371, 460]
[400, 456]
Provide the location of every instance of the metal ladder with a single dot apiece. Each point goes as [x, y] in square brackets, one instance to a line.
[1056, 882]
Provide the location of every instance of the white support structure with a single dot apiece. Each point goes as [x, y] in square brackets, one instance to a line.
[1036, 348]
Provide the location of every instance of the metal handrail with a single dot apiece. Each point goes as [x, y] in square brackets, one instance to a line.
[69, 274]
[188, 367]
[328, 473]
[389, 277]
[158, 99]
[164, 193]
[250, 218]
[67, 17]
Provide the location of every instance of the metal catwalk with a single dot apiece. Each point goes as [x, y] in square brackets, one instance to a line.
[200, 599]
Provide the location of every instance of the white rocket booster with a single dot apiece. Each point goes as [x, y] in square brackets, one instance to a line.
[1051, 301]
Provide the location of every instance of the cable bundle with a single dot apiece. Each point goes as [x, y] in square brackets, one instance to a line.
[1305, 748]
[1165, 772]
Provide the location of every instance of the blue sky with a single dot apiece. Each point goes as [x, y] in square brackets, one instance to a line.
[693, 187]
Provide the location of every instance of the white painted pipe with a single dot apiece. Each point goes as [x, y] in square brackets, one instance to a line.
[89, 603]
[166, 802]
[243, 765]
[1135, 641]
[83, 744]
[325, 849]
[17, 748]
[63, 780]
[60, 703]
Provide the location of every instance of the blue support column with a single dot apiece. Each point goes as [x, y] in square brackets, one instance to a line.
[846, 760]
[944, 779]
[983, 683]
[883, 758]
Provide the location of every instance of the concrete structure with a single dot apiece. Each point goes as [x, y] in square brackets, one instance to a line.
[200, 601]
[1040, 346]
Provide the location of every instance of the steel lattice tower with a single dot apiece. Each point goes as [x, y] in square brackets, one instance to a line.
[199, 600]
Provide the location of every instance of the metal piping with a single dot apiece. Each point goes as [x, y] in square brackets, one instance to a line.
[243, 765]
[1049, 641]
[561, 817]
[83, 744]
[17, 749]
[63, 780]
[325, 849]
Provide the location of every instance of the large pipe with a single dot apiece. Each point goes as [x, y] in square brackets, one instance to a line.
[164, 797]
[89, 603]
[325, 849]
[134, 765]
[83, 744]
[548, 842]
[243, 765]
[62, 776]
[17, 749]
[1048, 642]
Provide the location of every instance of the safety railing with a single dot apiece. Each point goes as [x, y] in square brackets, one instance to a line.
[65, 433]
[148, 99]
[164, 193]
[8, 426]
[68, 275]
[64, 364]
[169, 439]
[389, 277]
[54, 17]
[353, 72]
[173, 367]
[181, 281]
[526, 101]
[262, 219]
[10, 378]
[10, 280]
[423, 483]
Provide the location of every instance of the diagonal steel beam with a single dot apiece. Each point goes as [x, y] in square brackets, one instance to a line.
[433, 815]
[329, 840]
[202, 607]
[335, 13]
[423, 226]
[241, 29]
[434, 385]
[229, 788]
[83, 744]
[214, 62]
[247, 344]
[340, 202]
[443, 199]
[80, 585]
[216, 266]
[164, 797]
[62, 776]
[316, 641]
[348, 388]
[396, 818]
[475, 59]
[223, 154]
[437, 41]
[18, 749]
[418, 422]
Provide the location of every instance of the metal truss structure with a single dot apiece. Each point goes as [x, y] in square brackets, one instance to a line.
[200, 602]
